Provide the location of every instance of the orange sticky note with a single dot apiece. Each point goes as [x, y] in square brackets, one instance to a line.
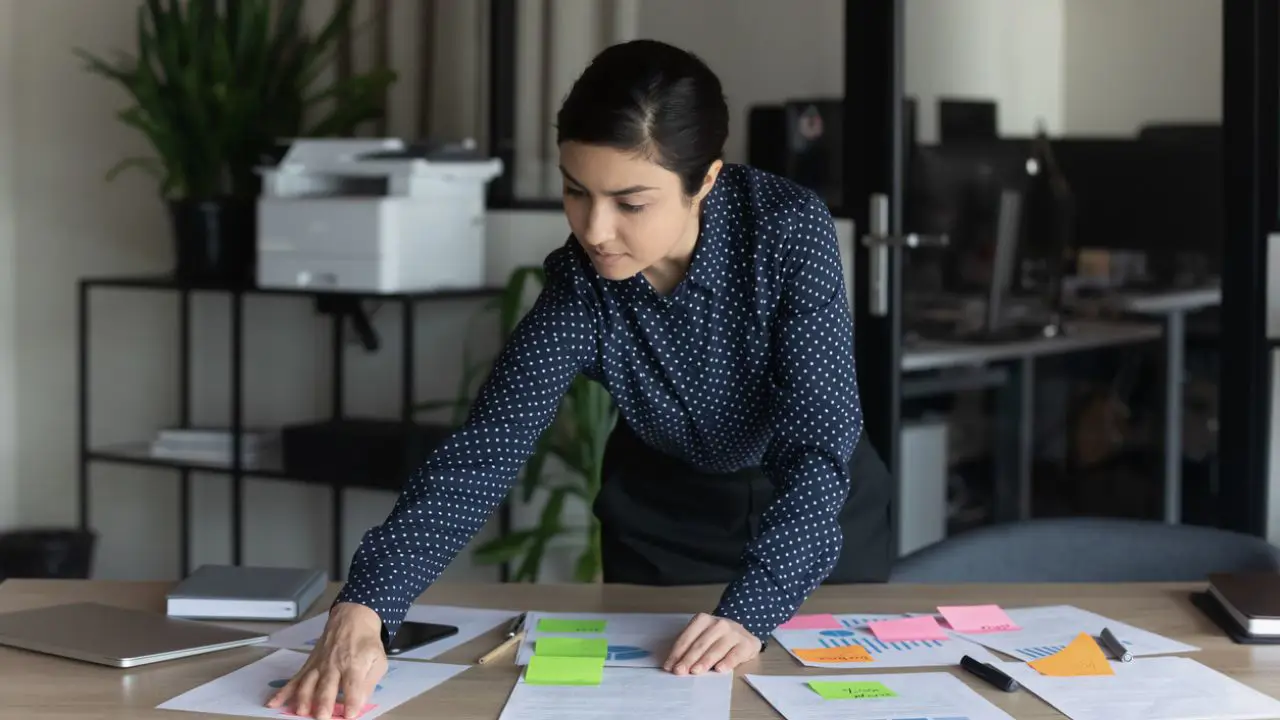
[846, 654]
[977, 618]
[923, 627]
[1081, 656]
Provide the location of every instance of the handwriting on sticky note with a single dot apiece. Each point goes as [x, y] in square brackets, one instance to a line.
[1080, 657]
[551, 670]
[811, 622]
[847, 654]
[977, 618]
[924, 627]
[571, 647]
[561, 625]
[851, 690]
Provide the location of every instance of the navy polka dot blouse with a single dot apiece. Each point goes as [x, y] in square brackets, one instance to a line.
[748, 362]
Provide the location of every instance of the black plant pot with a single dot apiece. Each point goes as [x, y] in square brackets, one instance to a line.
[215, 241]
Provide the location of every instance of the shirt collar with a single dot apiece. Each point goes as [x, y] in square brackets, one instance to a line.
[711, 254]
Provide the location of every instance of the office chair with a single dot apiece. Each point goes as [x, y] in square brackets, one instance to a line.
[1086, 550]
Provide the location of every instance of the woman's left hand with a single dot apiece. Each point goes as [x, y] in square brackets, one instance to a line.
[711, 643]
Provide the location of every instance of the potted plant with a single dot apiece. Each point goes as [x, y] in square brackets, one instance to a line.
[215, 86]
[575, 440]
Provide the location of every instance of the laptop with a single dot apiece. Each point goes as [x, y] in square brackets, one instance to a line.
[115, 636]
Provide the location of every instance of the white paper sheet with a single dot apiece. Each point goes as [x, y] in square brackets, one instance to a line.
[635, 639]
[916, 653]
[626, 693]
[932, 695]
[1046, 630]
[471, 623]
[245, 691]
[1157, 688]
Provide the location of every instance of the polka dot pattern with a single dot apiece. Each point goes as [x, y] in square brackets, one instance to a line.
[747, 363]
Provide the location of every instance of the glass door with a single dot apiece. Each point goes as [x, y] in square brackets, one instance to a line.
[1038, 196]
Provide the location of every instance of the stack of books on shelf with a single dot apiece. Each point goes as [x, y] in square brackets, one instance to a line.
[213, 446]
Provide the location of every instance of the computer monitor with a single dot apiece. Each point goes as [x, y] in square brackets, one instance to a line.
[966, 120]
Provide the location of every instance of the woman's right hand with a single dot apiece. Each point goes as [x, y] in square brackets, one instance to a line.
[348, 657]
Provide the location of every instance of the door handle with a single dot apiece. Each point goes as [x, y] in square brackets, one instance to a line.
[881, 242]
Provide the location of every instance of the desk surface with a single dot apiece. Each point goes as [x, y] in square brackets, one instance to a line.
[33, 685]
[1080, 335]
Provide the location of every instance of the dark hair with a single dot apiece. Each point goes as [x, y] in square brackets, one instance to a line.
[651, 97]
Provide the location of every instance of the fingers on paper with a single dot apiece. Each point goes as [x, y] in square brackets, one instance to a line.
[738, 654]
[691, 632]
[726, 641]
[327, 693]
[304, 691]
[355, 690]
[702, 642]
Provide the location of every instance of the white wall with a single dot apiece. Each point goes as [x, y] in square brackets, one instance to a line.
[1133, 61]
[1009, 50]
[8, 294]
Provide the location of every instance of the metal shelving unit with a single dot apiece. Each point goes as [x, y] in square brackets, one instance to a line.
[340, 307]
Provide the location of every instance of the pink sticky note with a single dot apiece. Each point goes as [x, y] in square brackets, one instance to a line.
[977, 618]
[811, 622]
[924, 627]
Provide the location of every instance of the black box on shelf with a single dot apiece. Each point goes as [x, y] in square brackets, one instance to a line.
[358, 452]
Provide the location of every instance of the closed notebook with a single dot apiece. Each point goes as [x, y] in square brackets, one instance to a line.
[1252, 599]
[227, 592]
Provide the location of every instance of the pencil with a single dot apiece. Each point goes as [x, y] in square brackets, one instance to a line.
[507, 644]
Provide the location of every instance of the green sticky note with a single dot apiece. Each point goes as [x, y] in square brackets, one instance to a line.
[572, 647]
[861, 690]
[552, 670]
[559, 625]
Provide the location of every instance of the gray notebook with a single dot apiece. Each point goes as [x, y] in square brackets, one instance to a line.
[227, 592]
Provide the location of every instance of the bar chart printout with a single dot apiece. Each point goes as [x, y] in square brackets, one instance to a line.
[1046, 630]
[897, 696]
[868, 651]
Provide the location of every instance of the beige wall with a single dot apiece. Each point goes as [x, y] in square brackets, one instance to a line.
[59, 221]
[1131, 61]
[764, 51]
[63, 135]
[8, 293]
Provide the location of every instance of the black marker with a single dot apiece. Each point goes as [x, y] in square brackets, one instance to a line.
[1115, 646]
[989, 673]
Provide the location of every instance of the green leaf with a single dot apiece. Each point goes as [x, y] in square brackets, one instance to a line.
[216, 84]
[504, 549]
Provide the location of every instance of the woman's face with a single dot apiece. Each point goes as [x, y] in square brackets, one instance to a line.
[630, 214]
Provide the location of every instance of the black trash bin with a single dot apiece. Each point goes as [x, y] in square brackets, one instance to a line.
[46, 553]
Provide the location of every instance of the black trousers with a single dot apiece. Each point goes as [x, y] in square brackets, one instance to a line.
[666, 523]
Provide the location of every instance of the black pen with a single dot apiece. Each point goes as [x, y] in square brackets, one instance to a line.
[516, 624]
[1115, 646]
[989, 673]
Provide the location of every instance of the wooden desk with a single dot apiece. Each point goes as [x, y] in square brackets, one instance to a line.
[50, 688]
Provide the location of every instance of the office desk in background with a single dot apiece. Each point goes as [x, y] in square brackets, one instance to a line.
[1016, 414]
[51, 688]
[1172, 308]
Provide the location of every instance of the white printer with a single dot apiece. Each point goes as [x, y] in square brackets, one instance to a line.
[373, 215]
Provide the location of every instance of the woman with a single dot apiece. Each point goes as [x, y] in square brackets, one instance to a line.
[709, 300]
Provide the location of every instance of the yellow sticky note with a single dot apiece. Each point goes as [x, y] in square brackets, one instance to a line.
[1081, 656]
[847, 654]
